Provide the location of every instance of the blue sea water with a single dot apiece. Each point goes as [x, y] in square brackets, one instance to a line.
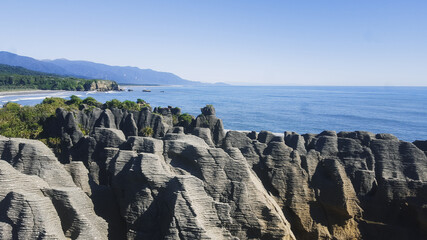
[401, 111]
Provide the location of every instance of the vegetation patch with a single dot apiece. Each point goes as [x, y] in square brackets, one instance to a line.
[147, 132]
[16, 78]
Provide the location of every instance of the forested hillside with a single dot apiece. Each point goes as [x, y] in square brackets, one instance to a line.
[12, 77]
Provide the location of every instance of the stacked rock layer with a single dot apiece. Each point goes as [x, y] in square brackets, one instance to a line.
[200, 182]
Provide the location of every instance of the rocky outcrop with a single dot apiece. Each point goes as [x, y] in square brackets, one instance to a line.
[77, 128]
[25, 212]
[40, 199]
[102, 86]
[200, 182]
[182, 188]
[209, 120]
[349, 185]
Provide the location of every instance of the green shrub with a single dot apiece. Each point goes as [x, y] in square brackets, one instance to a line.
[91, 102]
[185, 117]
[140, 101]
[22, 122]
[54, 101]
[83, 130]
[74, 100]
[146, 105]
[147, 132]
[114, 103]
[11, 106]
[27, 121]
[174, 120]
[129, 105]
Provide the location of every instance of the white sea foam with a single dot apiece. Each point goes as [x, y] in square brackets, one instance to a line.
[29, 98]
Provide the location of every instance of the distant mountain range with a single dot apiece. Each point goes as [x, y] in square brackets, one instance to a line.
[85, 69]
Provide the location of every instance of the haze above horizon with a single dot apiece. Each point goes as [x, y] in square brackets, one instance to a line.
[344, 43]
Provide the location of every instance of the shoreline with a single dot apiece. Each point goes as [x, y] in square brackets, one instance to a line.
[30, 91]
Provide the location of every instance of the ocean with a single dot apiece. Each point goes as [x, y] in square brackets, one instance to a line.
[401, 111]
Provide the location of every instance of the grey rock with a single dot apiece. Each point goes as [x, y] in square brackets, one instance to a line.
[386, 136]
[75, 210]
[335, 191]
[310, 140]
[363, 136]
[208, 110]
[109, 137]
[228, 179]
[327, 145]
[129, 126]
[144, 144]
[277, 139]
[421, 145]
[265, 136]
[178, 130]
[295, 141]
[253, 135]
[106, 120]
[80, 176]
[32, 157]
[205, 134]
[208, 120]
[328, 133]
[25, 213]
[211, 184]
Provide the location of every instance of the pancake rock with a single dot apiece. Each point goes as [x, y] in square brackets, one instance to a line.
[196, 181]
[39, 198]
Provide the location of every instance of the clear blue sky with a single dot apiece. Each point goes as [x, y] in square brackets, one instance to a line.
[318, 42]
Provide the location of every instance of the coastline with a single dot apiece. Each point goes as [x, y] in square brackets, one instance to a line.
[29, 91]
[295, 109]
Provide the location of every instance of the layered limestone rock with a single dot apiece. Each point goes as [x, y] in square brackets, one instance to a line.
[42, 201]
[25, 212]
[183, 189]
[348, 185]
[72, 127]
[198, 182]
[209, 120]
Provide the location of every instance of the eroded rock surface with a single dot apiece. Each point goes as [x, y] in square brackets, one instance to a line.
[39, 197]
[199, 182]
[350, 185]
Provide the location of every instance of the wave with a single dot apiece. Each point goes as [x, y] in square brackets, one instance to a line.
[26, 99]
[248, 131]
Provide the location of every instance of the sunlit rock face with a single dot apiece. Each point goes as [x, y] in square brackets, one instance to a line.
[200, 182]
[39, 199]
[342, 186]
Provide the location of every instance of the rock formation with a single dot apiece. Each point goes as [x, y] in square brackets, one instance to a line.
[199, 182]
[102, 86]
[345, 186]
[39, 199]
